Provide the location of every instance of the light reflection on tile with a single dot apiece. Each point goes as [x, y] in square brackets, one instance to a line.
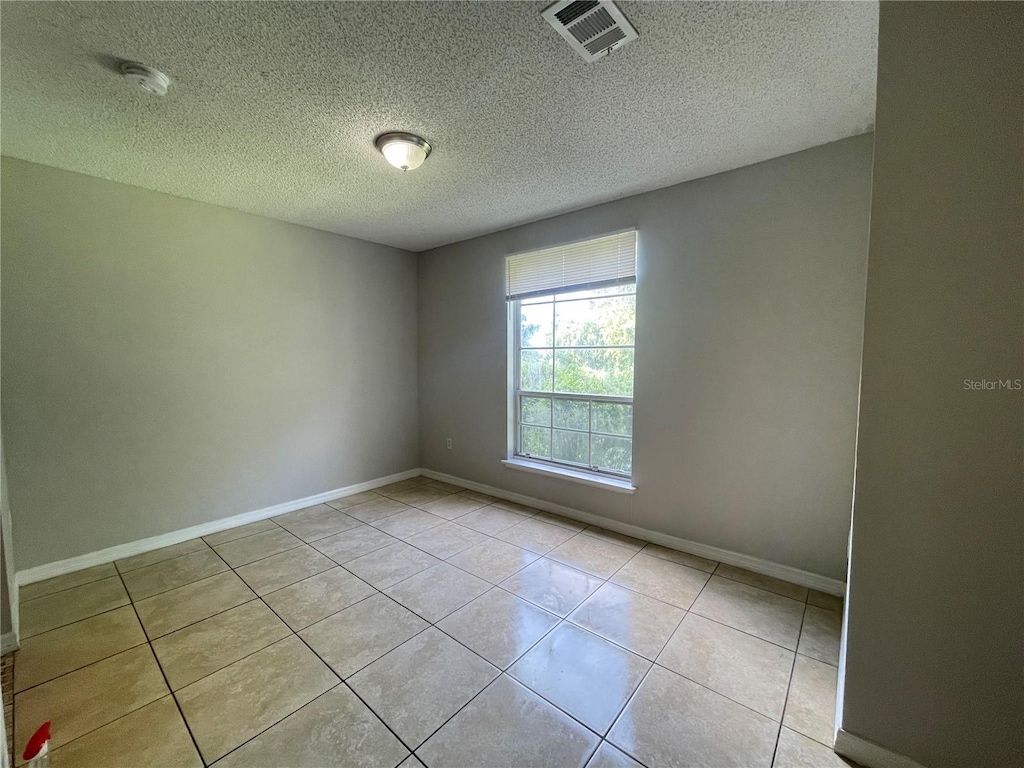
[634, 621]
[499, 626]
[553, 586]
[581, 673]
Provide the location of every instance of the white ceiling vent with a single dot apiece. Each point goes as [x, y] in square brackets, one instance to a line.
[594, 28]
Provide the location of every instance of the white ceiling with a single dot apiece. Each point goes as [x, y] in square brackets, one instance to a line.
[274, 106]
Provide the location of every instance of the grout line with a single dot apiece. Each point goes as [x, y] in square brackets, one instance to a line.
[23, 638]
[342, 680]
[156, 660]
[789, 686]
[559, 622]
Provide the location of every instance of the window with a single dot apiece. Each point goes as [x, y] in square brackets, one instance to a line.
[573, 317]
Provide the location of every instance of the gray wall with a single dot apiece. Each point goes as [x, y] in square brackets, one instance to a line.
[8, 586]
[934, 653]
[167, 362]
[750, 302]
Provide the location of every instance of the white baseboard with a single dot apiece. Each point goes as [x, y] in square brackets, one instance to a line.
[8, 643]
[108, 555]
[869, 754]
[766, 567]
[756, 564]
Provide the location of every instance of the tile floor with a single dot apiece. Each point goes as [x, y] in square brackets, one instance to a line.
[426, 618]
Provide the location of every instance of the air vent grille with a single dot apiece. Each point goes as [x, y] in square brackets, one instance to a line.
[593, 28]
[574, 10]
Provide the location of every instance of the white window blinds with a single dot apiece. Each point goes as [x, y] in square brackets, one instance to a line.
[588, 264]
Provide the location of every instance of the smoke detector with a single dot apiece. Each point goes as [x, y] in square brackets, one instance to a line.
[152, 81]
[593, 28]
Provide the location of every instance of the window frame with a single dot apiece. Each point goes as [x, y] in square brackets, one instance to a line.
[515, 395]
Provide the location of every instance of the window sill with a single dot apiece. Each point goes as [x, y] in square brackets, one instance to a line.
[614, 484]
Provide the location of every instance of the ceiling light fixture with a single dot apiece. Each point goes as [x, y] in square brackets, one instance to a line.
[405, 151]
[147, 79]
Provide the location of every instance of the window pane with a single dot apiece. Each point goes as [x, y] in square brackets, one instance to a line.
[535, 371]
[594, 371]
[611, 290]
[535, 325]
[572, 414]
[616, 418]
[570, 446]
[613, 453]
[600, 322]
[536, 442]
[536, 410]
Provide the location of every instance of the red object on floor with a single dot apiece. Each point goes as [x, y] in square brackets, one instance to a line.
[39, 738]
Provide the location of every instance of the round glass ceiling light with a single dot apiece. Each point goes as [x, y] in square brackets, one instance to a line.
[405, 151]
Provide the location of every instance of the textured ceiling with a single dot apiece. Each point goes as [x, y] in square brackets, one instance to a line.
[274, 106]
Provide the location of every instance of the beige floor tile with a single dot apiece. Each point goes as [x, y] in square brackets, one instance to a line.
[59, 651]
[443, 486]
[159, 555]
[595, 556]
[418, 496]
[420, 684]
[390, 565]
[336, 729]
[317, 597]
[662, 580]
[485, 498]
[811, 706]
[209, 645]
[508, 725]
[186, 605]
[171, 574]
[437, 591]
[67, 581]
[553, 586]
[491, 520]
[608, 756]
[767, 615]
[512, 506]
[378, 509]
[408, 523]
[614, 538]
[229, 707]
[741, 667]
[362, 633]
[317, 522]
[252, 548]
[564, 522]
[822, 600]
[88, 698]
[356, 498]
[636, 622]
[446, 540]
[674, 721]
[819, 636]
[278, 571]
[353, 543]
[71, 605]
[778, 586]
[223, 537]
[797, 751]
[493, 560]
[581, 673]
[499, 626]
[452, 507]
[154, 735]
[536, 535]
[683, 558]
[402, 485]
